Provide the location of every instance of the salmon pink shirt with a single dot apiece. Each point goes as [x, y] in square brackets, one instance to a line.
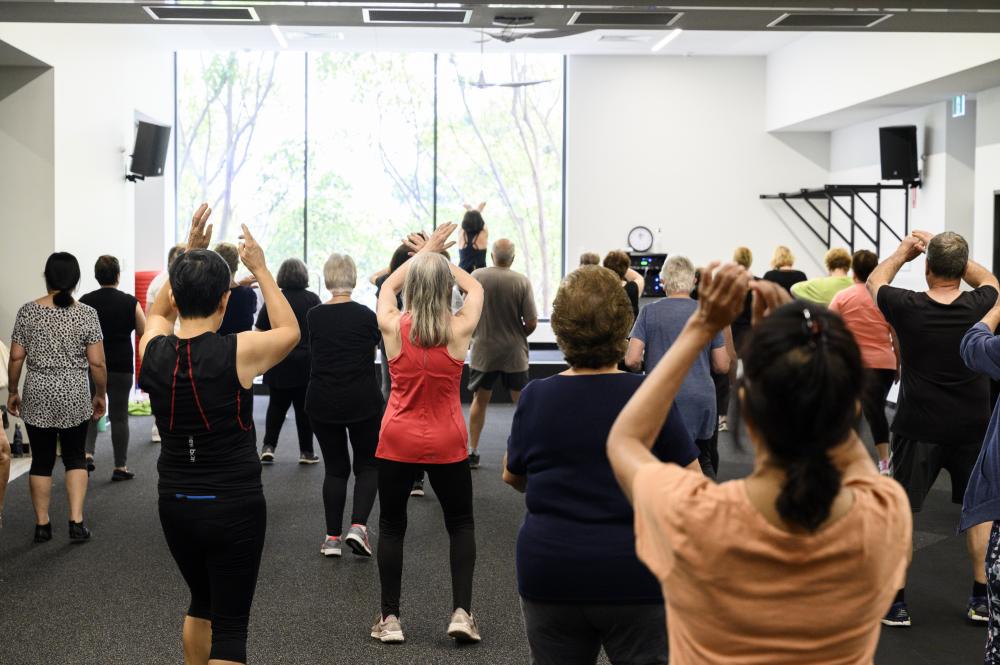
[870, 329]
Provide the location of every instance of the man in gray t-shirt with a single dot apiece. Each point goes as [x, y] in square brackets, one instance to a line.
[656, 328]
[500, 345]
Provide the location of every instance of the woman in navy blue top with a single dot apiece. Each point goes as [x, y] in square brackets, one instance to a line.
[581, 585]
[242, 304]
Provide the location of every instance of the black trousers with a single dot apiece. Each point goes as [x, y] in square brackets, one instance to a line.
[333, 441]
[708, 455]
[72, 441]
[119, 390]
[723, 389]
[277, 408]
[217, 544]
[452, 483]
[878, 382]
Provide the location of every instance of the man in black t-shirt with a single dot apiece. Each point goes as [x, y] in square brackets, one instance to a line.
[943, 407]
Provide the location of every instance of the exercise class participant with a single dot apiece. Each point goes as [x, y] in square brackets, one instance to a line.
[344, 404]
[797, 562]
[473, 239]
[500, 345]
[211, 505]
[60, 339]
[821, 290]
[879, 350]
[242, 300]
[154, 288]
[287, 381]
[572, 498]
[423, 426]
[944, 407]
[782, 269]
[120, 315]
[621, 264]
[590, 259]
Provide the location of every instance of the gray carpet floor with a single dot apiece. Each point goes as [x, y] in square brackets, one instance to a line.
[119, 598]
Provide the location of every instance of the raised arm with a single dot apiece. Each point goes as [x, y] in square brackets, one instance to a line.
[911, 247]
[259, 351]
[721, 297]
[976, 276]
[980, 347]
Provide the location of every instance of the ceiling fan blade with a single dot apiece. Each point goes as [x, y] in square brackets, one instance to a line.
[521, 84]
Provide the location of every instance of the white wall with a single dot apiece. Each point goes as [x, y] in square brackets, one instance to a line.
[102, 76]
[679, 145]
[987, 176]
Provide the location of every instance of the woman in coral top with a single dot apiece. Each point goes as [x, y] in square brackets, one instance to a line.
[814, 531]
[423, 427]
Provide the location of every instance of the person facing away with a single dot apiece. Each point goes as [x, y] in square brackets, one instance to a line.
[656, 330]
[500, 345]
[621, 264]
[782, 270]
[473, 239]
[399, 257]
[879, 350]
[287, 381]
[211, 501]
[821, 290]
[344, 404]
[795, 563]
[120, 315]
[981, 505]
[423, 427]
[151, 291]
[571, 495]
[590, 259]
[59, 339]
[741, 326]
[242, 300]
[943, 408]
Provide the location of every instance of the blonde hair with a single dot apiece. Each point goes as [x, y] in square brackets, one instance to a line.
[743, 256]
[783, 258]
[837, 258]
[340, 274]
[427, 294]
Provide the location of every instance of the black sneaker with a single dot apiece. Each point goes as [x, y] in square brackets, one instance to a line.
[43, 533]
[267, 455]
[78, 533]
[90, 465]
[308, 458]
[121, 474]
[898, 615]
[979, 609]
[473, 460]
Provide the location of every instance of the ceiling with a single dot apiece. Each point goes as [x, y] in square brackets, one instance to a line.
[692, 15]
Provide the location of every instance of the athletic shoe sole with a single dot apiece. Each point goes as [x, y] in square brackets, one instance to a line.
[389, 636]
[897, 624]
[416, 492]
[267, 458]
[325, 551]
[308, 461]
[460, 633]
[978, 618]
[358, 546]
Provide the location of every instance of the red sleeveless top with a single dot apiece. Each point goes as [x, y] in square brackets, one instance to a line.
[423, 421]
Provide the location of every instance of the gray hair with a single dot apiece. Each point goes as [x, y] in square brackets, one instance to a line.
[340, 274]
[293, 274]
[948, 255]
[678, 275]
[503, 253]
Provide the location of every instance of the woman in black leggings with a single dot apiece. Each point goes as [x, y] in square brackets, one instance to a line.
[212, 505]
[343, 400]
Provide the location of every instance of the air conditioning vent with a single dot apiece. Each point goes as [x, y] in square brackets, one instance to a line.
[636, 19]
[819, 21]
[434, 16]
[206, 13]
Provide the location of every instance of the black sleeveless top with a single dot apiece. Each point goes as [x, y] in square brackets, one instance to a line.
[204, 415]
[470, 258]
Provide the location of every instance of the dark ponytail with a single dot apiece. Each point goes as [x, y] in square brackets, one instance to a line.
[803, 377]
[62, 275]
[473, 224]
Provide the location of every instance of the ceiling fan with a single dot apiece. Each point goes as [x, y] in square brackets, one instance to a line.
[482, 83]
[513, 28]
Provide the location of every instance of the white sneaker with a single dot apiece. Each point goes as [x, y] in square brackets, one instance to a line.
[388, 630]
[155, 435]
[331, 546]
[357, 540]
[463, 627]
[885, 467]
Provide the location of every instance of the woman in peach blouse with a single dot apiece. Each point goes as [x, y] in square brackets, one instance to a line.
[747, 566]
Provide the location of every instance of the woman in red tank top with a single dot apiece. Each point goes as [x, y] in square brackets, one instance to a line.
[423, 428]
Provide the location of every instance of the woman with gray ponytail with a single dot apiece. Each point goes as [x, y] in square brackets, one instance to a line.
[814, 530]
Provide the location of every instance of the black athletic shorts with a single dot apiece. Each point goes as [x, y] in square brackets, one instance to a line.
[916, 465]
[485, 380]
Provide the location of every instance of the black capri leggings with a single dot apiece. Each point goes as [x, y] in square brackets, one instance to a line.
[217, 544]
[333, 438]
[72, 441]
[452, 484]
[878, 382]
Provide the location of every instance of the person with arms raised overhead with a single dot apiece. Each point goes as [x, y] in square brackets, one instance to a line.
[211, 503]
[572, 498]
[500, 345]
[473, 239]
[242, 300]
[797, 562]
[423, 426]
[944, 407]
[151, 291]
[822, 289]
[60, 339]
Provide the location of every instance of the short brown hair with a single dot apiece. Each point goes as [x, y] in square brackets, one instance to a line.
[837, 259]
[231, 254]
[863, 263]
[590, 259]
[591, 317]
[743, 256]
[107, 270]
[618, 261]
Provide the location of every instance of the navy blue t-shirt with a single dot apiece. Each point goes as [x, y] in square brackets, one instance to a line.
[577, 543]
[240, 311]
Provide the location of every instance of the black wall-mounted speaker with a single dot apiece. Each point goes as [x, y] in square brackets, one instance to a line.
[898, 149]
[150, 152]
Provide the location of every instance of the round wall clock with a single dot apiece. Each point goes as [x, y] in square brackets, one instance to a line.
[640, 239]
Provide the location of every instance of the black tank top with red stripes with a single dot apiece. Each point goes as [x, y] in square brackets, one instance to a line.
[204, 415]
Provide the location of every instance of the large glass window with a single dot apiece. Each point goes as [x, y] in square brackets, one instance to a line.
[349, 152]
